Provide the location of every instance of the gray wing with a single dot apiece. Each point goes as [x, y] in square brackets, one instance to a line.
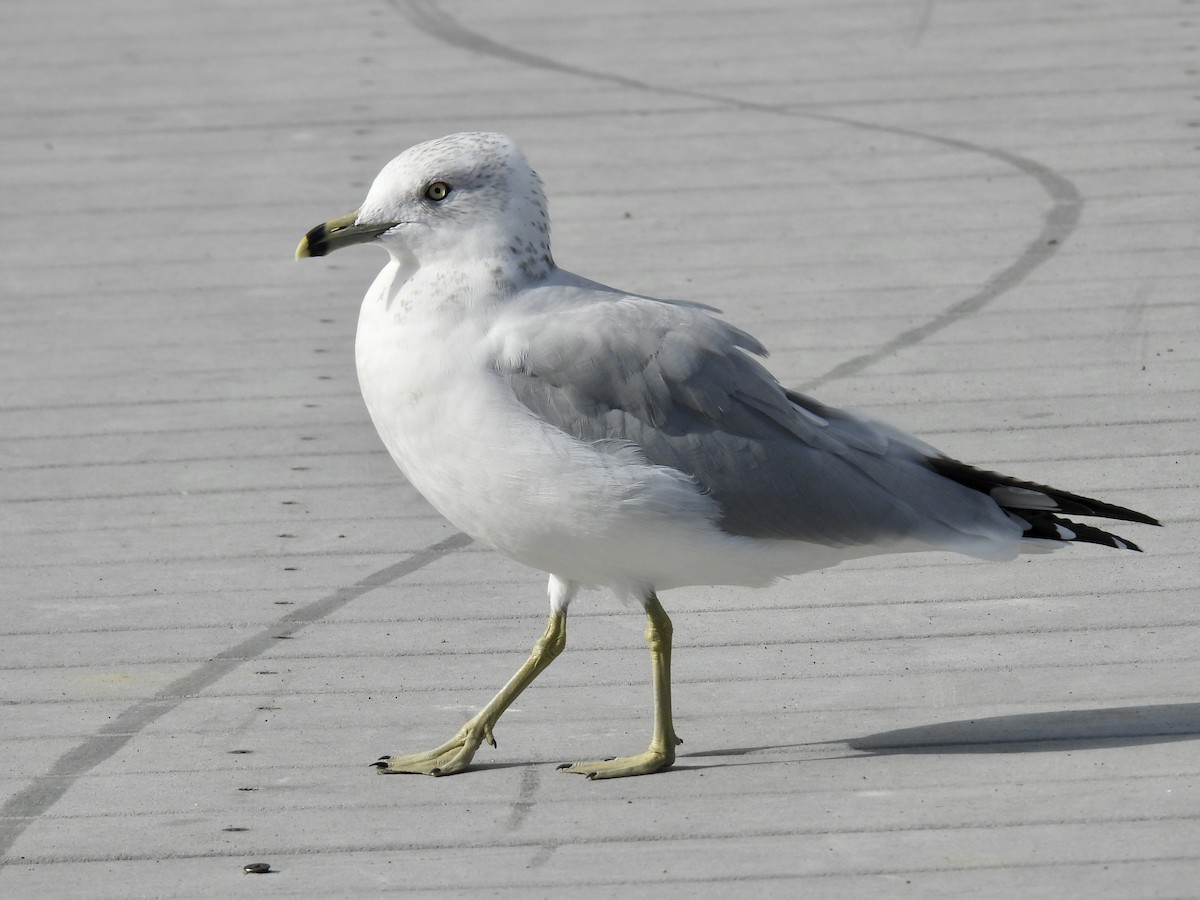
[680, 385]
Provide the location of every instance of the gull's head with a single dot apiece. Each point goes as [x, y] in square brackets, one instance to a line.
[469, 196]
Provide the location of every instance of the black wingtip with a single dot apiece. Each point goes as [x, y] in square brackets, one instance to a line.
[1046, 526]
[1072, 504]
[1038, 507]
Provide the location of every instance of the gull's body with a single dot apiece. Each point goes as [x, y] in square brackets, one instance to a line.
[616, 440]
[590, 513]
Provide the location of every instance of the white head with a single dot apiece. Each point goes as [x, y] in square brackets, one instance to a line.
[468, 196]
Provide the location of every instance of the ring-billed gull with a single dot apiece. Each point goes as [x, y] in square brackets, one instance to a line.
[616, 440]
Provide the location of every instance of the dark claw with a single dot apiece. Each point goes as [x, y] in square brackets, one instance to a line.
[435, 772]
[563, 766]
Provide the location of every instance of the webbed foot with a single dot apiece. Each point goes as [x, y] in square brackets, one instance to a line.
[451, 757]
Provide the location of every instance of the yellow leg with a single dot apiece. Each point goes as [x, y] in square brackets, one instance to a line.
[455, 755]
[661, 752]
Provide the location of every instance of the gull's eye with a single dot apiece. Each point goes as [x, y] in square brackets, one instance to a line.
[437, 191]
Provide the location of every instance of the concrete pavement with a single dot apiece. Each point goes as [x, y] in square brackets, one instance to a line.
[221, 602]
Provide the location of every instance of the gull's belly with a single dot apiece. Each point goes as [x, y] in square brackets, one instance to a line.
[527, 489]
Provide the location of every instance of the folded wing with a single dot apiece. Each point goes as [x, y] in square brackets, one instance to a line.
[681, 386]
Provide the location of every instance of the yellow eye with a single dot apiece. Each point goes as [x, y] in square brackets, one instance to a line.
[437, 191]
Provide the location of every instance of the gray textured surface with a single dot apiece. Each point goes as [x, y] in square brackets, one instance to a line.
[220, 602]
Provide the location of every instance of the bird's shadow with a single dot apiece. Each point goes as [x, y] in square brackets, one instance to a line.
[1076, 729]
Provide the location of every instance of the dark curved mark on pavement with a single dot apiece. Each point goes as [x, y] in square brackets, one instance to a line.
[46, 790]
